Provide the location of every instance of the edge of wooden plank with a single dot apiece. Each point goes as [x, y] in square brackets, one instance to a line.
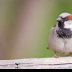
[38, 63]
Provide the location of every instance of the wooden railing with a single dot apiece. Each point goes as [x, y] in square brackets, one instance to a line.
[37, 63]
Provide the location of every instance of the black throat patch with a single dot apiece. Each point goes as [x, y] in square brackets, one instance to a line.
[63, 32]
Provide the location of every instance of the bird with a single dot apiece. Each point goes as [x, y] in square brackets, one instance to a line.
[60, 38]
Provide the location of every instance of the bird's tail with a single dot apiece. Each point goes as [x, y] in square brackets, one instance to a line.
[47, 47]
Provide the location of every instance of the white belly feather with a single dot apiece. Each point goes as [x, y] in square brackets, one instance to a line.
[60, 45]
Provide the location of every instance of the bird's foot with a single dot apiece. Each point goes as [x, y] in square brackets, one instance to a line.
[55, 56]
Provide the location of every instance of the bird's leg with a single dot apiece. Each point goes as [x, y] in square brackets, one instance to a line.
[55, 55]
[71, 54]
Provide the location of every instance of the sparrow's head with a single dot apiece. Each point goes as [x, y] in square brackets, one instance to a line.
[64, 25]
[65, 20]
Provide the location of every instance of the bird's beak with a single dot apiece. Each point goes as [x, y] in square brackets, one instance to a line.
[59, 19]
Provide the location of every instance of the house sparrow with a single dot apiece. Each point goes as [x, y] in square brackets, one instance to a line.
[60, 39]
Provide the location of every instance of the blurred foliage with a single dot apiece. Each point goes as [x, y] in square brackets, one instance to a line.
[10, 10]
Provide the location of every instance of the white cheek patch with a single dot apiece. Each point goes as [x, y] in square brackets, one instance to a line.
[68, 24]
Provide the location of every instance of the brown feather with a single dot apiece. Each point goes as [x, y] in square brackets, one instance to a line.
[70, 17]
[54, 25]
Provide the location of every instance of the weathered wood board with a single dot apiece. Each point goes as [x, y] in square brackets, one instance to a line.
[38, 63]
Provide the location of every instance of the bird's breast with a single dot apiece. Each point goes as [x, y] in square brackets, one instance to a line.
[64, 33]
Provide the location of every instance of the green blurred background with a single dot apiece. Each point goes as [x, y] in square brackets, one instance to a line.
[25, 26]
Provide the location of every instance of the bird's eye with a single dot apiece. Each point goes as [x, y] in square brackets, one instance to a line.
[66, 18]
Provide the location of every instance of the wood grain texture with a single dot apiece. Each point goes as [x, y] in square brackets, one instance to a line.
[38, 63]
